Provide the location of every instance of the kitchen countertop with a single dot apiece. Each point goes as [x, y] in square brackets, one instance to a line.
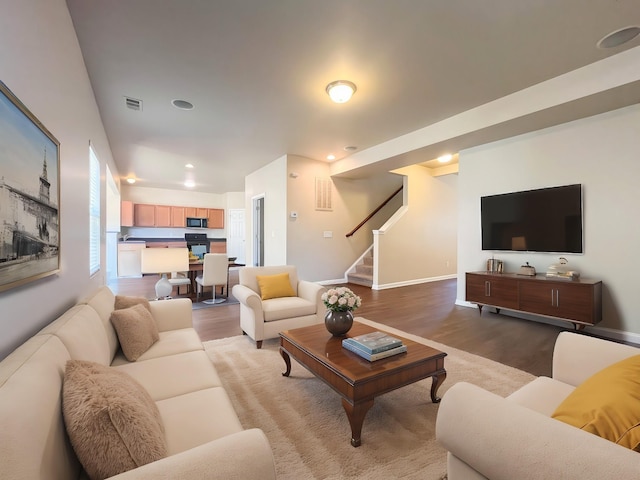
[173, 239]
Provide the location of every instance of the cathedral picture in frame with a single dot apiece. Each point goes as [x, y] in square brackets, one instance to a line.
[29, 195]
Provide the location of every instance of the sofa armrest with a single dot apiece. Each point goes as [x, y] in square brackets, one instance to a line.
[172, 314]
[311, 291]
[577, 357]
[503, 441]
[249, 298]
[243, 455]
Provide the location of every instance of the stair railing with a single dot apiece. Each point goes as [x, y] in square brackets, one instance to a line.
[373, 213]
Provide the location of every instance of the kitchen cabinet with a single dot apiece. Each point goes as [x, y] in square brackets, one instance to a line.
[577, 301]
[167, 216]
[129, 259]
[144, 215]
[217, 247]
[178, 217]
[163, 216]
[215, 218]
[126, 213]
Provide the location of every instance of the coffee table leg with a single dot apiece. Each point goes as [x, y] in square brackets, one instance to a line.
[287, 361]
[355, 414]
[435, 385]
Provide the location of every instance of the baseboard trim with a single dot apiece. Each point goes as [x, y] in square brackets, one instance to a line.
[417, 281]
[609, 333]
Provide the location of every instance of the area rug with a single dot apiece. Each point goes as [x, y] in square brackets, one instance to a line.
[308, 429]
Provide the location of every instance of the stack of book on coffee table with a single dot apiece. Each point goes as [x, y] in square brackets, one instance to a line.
[374, 346]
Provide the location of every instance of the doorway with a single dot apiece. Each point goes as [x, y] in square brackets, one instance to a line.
[236, 235]
[258, 231]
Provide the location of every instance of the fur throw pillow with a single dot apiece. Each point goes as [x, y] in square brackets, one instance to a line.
[113, 424]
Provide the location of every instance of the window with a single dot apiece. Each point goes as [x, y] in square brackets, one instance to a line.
[94, 212]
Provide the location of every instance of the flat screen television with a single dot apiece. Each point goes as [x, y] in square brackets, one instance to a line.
[543, 220]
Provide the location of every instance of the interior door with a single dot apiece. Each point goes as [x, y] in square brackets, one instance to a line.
[236, 235]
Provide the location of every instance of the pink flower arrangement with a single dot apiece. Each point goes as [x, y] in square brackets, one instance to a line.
[341, 299]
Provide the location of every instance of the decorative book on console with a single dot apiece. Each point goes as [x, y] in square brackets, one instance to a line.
[354, 347]
[376, 342]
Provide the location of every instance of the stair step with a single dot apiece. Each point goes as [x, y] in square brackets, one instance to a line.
[364, 269]
[360, 279]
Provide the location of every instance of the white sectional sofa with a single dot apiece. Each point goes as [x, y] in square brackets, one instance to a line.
[204, 437]
[490, 437]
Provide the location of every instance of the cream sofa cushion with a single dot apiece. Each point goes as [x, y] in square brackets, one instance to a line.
[112, 422]
[82, 332]
[33, 443]
[189, 371]
[196, 418]
[287, 307]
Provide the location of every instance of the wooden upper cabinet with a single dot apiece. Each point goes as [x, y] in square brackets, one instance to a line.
[126, 213]
[216, 218]
[178, 216]
[202, 212]
[144, 215]
[163, 216]
[190, 212]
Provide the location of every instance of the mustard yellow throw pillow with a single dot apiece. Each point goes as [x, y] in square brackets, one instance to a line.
[607, 404]
[275, 286]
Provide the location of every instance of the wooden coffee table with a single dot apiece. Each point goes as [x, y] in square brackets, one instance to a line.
[355, 379]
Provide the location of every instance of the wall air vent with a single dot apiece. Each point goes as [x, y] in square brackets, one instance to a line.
[133, 103]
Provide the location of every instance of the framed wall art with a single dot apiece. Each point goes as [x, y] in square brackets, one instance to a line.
[29, 195]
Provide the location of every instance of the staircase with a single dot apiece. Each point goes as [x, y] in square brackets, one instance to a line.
[363, 274]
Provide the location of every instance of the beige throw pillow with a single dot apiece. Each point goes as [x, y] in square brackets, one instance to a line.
[136, 330]
[113, 424]
[124, 301]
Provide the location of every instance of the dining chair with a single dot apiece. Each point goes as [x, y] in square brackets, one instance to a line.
[214, 272]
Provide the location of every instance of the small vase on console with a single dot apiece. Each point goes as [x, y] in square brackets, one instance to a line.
[338, 323]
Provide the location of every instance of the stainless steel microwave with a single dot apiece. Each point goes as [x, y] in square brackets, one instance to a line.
[193, 222]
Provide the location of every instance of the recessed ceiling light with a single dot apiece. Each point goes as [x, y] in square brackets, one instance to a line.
[182, 104]
[188, 165]
[619, 37]
[445, 158]
[189, 183]
[331, 157]
[341, 91]
[350, 148]
[131, 180]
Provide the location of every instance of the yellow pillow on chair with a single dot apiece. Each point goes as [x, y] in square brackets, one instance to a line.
[607, 404]
[275, 286]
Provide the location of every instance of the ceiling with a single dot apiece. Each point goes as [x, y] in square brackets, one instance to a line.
[256, 72]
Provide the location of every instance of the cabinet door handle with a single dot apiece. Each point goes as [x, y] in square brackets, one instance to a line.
[552, 298]
[487, 288]
[557, 298]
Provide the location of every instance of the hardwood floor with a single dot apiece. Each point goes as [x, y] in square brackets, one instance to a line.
[427, 310]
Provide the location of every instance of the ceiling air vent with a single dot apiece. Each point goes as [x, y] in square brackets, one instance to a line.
[133, 103]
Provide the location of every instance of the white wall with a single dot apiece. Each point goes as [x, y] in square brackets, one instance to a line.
[421, 245]
[320, 258]
[271, 182]
[599, 152]
[41, 62]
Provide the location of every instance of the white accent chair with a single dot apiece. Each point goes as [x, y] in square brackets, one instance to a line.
[263, 319]
[214, 272]
[179, 279]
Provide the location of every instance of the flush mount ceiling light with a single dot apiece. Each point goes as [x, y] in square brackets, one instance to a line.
[188, 165]
[182, 104]
[341, 91]
[619, 37]
[331, 157]
[131, 180]
[445, 158]
[189, 183]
